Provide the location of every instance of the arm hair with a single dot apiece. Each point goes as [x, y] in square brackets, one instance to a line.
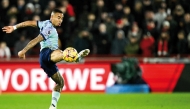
[26, 24]
[33, 42]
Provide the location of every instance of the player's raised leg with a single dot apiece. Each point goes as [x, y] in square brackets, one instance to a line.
[58, 79]
[57, 55]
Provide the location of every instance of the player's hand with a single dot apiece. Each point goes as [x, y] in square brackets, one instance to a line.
[8, 29]
[21, 54]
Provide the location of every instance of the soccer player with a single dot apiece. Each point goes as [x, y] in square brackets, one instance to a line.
[50, 54]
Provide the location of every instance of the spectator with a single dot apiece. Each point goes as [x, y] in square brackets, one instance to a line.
[103, 17]
[163, 44]
[127, 14]
[110, 25]
[88, 21]
[160, 17]
[100, 13]
[185, 23]
[12, 11]
[91, 22]
[65, 31]
[4, 50]
[147, 45]
[185, 4]
[51, 5]
[69, 10]
[20, 44]
[12, 20]
[182, 44]
[69, 18]
[101, 40]
[36, 17]
[83, 41]
[132, 48]
[188, 40]
[165, 26]
[172, 22]
[173, 35]
[118, 13]
[31, 31]
[138, 13]
[148, 5]
[118, 44]
[135, 31]
[29, 11]
[149, 24]
[172, 4]
[70, 14]
[121, 24]
[5, 6]
[171, 27]
[178, 14]
[11, 38]
[98, 8]
[21, 5]
[126, 25]
[47, 11]
[37, 9]
[128, 3]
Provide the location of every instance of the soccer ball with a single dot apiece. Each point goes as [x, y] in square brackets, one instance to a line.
[70, 54]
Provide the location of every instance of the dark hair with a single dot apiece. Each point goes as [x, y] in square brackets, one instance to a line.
[181, 32]
[57, 11]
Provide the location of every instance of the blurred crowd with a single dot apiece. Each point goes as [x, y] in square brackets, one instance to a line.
[148, 28]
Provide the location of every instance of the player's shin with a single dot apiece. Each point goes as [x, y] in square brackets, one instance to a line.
[55, 98]
[58, 79]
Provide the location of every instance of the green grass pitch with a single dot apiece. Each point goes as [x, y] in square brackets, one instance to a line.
[97, 101]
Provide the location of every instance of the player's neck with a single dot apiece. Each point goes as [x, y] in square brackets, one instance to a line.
[52, 23]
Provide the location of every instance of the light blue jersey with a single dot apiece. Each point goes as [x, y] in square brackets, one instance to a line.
[49, 33]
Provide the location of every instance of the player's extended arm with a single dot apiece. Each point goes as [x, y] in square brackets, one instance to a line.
[31, 44]
[10, 29]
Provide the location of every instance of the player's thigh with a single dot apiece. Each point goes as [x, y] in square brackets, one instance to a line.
[57, 78]
[57, 56]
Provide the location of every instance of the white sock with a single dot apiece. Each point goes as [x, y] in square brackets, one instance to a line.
[55, 98]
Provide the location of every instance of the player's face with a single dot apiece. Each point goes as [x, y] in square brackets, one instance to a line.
[57, 19]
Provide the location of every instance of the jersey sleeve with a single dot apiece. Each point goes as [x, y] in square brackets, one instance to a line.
[39, 24]
[45, 32]
[44, 28]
